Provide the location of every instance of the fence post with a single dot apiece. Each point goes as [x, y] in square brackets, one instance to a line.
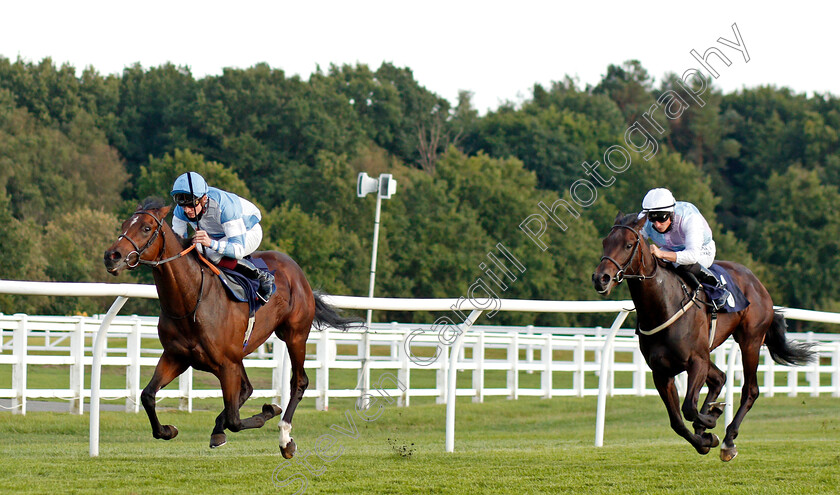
[451, 395]
[96, 372]
[404, 374]
[529, 348]
[441, 374]
[547, 378]
[77, 369]
[580, 354]
[814, 373]
[278, 352]
[640, 373]
[322, 374]
[132, 377]
[835, 370]
[19, 368]
[478, 373]
[793, 381]
[601, 411]
[729, 409]
[185, 387]
[513, 372]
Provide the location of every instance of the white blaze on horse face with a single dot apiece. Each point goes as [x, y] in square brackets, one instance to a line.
[285, 433]
[133, 221]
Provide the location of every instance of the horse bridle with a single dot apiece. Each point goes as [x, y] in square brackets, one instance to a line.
[139, 251]
[620, 275]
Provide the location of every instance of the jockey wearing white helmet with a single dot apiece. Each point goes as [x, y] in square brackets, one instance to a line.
[680, 234]
[226, 225]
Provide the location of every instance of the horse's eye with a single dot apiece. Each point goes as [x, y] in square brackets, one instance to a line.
[146, 229]
[628, 246]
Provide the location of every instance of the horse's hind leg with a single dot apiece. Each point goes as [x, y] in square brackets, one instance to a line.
[268, 410]
[749, 393]
[166, 370]
[668, 391]
[714, 380]
[234, 398]
[299, 383]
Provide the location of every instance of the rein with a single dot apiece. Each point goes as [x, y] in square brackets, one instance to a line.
[621, 275]
[138, 252]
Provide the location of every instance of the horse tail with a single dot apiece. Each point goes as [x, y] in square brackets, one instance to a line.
[328, 315]
[785, 351]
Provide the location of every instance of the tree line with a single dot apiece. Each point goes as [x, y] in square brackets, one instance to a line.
[78, 153]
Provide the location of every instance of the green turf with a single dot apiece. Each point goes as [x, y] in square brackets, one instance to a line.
[787, 446]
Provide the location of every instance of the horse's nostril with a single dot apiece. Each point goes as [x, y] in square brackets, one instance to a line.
[605, 279]
[115, 255]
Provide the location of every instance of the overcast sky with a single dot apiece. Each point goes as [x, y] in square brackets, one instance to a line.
[497, 50]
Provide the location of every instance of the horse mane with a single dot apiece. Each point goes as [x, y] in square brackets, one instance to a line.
[152, 203]
[628, 219]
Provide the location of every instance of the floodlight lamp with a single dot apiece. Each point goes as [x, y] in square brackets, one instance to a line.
[366, 185]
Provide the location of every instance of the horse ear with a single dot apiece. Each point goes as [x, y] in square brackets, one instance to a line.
[139, 207]
[165, 211]
[618, 217]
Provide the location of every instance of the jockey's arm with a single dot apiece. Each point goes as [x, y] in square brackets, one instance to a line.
[663, 254]
[693, 241]
[179, 225]
[232, 244]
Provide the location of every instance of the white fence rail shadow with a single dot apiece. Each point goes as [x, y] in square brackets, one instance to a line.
[569, 361]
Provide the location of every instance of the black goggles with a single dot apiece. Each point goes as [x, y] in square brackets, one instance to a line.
[659, 216]
[185, 199]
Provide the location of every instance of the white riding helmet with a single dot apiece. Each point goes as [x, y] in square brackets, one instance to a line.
[659, 199]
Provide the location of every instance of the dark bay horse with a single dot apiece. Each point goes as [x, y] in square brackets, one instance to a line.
[200, 326]
[659, 294]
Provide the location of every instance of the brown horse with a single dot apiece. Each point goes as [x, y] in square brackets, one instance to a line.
[659, 294]
[209, 337]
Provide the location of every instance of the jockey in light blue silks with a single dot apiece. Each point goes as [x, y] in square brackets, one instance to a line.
[227, 226]
[680, 235]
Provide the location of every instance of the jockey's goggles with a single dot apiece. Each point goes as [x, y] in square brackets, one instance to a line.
[659, 216]
[185, 200]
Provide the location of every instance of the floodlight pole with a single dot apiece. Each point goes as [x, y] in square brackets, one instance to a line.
[365, 371]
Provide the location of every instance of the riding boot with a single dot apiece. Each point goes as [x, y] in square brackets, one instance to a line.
[706, 276]
[265, 279]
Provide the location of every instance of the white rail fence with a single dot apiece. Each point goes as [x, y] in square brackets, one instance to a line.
[562, 358]
[569, 356]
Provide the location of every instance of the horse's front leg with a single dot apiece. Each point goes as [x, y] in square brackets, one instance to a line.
[668, 391]
[715, 381]
[166, 370]
[698, 370]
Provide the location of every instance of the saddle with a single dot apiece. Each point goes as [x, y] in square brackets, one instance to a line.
[736, 301]
[241, 288]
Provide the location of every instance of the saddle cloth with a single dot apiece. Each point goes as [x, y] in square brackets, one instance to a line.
[241, 288]
[736, 300]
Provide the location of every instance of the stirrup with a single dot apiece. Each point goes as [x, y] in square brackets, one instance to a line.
[266, 281]
[721, 301]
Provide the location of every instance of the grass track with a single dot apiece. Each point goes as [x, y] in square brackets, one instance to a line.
[787, 446]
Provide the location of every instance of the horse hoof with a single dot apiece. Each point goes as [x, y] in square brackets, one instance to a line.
[217, 440]
[702, 450]
[271, 410]
[727, 454]
[169, 432]
[715, 441]
[289, 450]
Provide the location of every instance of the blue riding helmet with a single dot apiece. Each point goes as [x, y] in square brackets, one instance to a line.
[183, 194]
